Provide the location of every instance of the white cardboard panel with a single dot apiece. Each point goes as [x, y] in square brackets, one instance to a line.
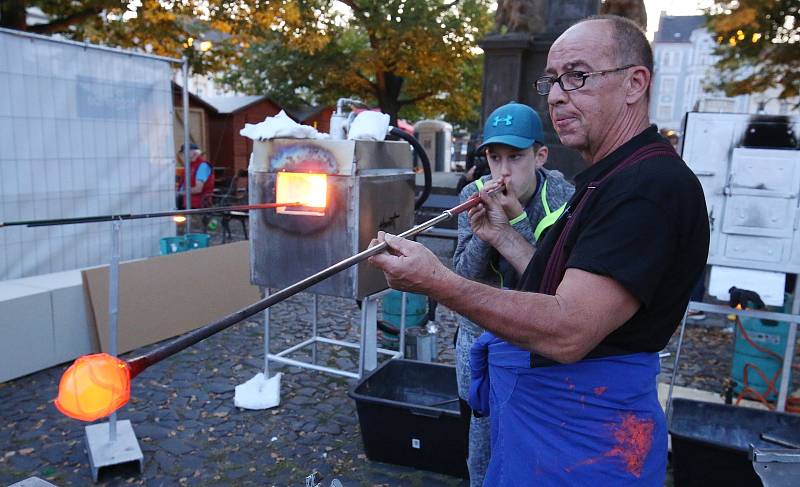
[769, 285]
[26, 325]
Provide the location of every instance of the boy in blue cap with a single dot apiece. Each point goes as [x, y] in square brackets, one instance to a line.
[533, 199]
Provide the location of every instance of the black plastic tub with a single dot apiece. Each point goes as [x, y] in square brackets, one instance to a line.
[409, 414]
[710, 442]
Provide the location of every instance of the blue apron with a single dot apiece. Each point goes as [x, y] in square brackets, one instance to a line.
[596, 422]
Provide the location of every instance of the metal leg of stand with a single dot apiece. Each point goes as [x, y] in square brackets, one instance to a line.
[788, 354]
[403, 302]
[368, 353]
[113, 310]
[113, 443]
[675, 367]
[265, 293]
[314, 329]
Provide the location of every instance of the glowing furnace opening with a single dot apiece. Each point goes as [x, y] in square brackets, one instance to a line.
[308, 189]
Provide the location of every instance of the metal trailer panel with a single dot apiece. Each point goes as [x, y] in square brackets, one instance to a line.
[752, 192]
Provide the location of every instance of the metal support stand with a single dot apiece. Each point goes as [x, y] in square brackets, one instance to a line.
[314, 329]
[402, 338]
[112, 443]
[265, 293]
[668, 412]
[788, 353]
[367, 345]
[187, 161]
[792, 318]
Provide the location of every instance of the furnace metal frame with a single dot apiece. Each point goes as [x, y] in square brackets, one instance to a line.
[367, 345]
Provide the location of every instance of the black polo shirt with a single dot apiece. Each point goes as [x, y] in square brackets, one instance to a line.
[647, 228]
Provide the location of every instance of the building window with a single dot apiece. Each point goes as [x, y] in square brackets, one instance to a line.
[664, 111]
[667, 85]
[717, 105]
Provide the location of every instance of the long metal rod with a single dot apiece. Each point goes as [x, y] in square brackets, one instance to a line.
[138, 364]
[187, 162]
[788, 353]
[139, 216]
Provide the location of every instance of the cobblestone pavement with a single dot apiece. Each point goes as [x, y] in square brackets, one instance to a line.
[191, 434]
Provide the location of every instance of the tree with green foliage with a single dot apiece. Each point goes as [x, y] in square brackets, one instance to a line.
[758, 42]
[212, 33]
[415, 57]
[411, 58]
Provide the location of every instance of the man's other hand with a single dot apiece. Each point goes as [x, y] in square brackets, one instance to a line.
[407, 265]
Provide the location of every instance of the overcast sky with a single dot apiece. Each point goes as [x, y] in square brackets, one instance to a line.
[672, 7]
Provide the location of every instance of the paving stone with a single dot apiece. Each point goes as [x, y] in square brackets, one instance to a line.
[175, 446]
[219, 387]
[330, 428]
[164, 460]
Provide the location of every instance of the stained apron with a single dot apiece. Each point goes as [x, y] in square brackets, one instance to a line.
[596, 422]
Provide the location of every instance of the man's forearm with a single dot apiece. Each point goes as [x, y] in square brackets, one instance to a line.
[515, 249]
[529, 320]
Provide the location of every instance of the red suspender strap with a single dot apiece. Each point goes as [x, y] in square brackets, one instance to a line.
[556, 264]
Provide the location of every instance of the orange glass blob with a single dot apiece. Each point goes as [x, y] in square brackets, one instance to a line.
[308, 189]
[94, 387]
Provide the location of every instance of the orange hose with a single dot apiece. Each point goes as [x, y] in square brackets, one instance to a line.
[792, 403]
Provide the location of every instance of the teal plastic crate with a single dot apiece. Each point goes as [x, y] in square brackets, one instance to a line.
[173, 245]
[197, 241]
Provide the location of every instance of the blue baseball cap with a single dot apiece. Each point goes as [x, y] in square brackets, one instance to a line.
[513, 124]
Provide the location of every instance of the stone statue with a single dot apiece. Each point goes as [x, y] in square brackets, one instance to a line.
[528, 16]
[630, 9]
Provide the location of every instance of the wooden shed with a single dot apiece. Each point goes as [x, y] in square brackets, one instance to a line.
[200, 113]
[226, 148]
[318, 117]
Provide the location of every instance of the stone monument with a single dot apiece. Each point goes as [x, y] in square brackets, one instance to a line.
[515, 54]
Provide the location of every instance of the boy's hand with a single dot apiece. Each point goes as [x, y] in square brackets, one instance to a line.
[507, 198]
[488, 219]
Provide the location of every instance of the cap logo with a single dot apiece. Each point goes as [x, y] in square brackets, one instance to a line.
[504, 120]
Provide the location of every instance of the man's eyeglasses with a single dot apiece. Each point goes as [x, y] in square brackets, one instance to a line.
[571, 80]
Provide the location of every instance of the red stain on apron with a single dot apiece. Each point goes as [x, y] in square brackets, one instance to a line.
[634, 438]
[600, 390]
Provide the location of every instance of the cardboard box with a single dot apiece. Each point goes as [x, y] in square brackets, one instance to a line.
[169, 295]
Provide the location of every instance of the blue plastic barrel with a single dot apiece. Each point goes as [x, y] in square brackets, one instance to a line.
[416, 309]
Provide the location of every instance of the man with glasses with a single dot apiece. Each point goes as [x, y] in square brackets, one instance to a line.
[567, 371]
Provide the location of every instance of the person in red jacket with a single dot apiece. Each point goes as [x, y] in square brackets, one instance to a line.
[202, 179]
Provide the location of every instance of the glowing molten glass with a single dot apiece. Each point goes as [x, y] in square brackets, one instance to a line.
[94, 387]
[310, 190]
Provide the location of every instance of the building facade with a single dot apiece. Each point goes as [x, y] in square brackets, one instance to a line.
[683, 64]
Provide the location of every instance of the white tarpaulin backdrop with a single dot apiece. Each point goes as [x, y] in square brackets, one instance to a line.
[83, 132]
